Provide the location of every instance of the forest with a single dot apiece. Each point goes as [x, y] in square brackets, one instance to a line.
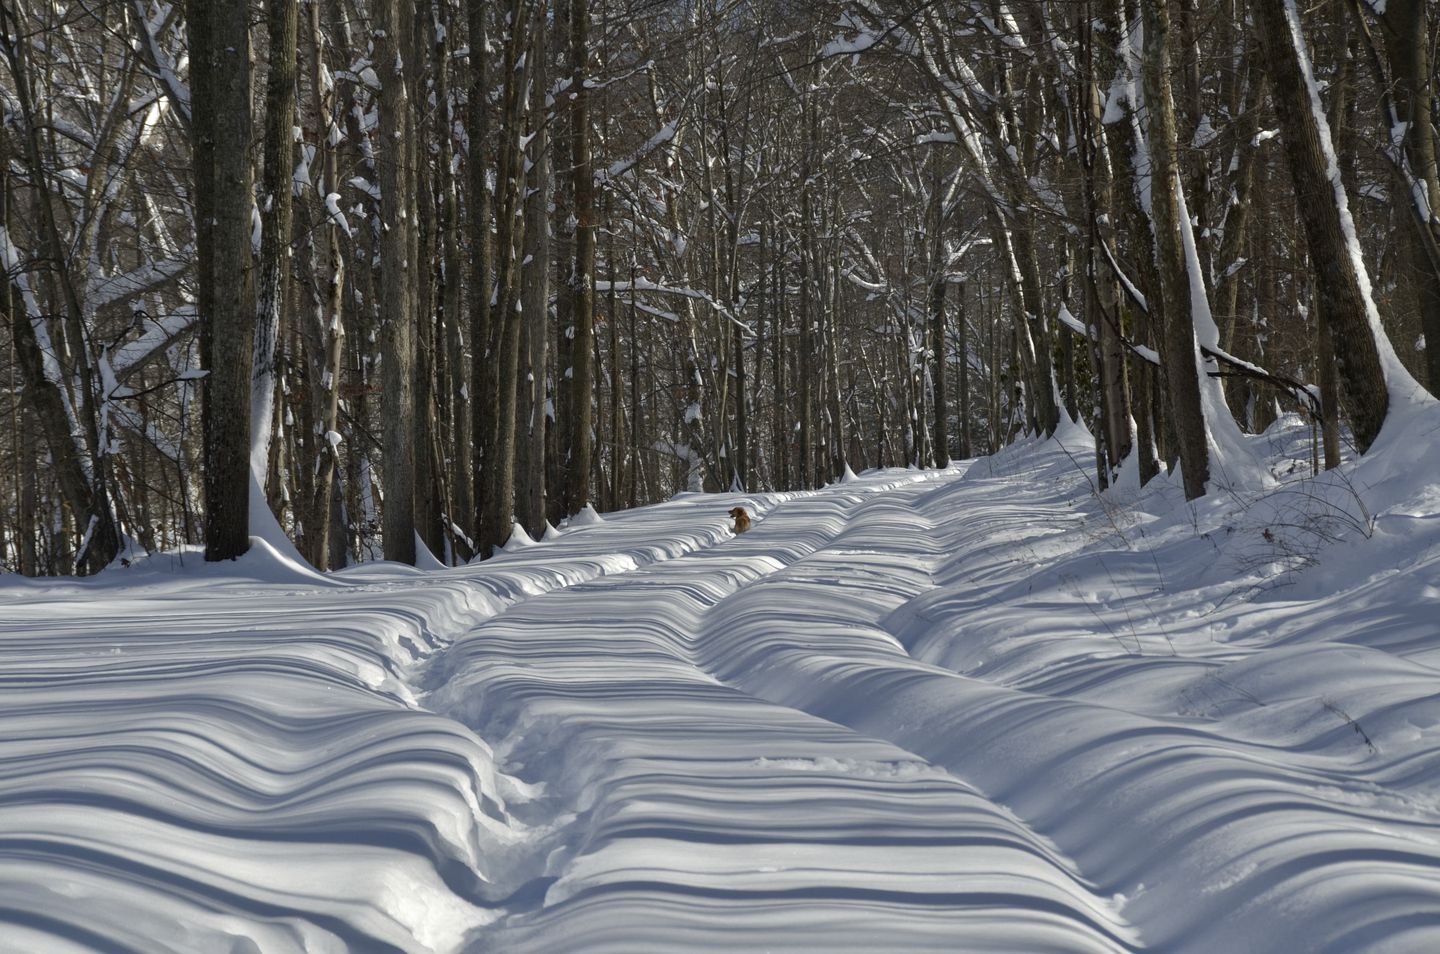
[376, 279]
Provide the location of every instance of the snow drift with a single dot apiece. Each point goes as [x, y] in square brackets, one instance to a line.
[976, 709]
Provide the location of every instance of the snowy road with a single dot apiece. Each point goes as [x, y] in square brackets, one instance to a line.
[971, 710]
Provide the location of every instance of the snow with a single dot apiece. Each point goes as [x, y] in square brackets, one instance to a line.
[1231, 463]
[664, 135]
[337, 217]
[861, 41]
[1205, 133]
[587, 517]
[979, 709]
[519, 539]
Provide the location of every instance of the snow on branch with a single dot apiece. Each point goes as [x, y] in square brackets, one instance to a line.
[106, 290]
[666, 134]
[1303, 394]
[645, 285]
[161, 332]
[154, 55]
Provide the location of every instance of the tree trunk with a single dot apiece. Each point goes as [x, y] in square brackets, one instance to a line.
[326, 329]
[962, 351]
[397, 210]
[1102, 300]
[1178, 333]
[276, 191]
[530, 447]
[582, 385]
[940, 419]
[1234, 243]
[1329, 388]
[1325, 217]
[429, 495]
[482, 375]
[220, 98]
[1408, 38]
[498, 470]
[456, 420]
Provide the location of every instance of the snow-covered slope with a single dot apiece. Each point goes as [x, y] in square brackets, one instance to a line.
[978, 709]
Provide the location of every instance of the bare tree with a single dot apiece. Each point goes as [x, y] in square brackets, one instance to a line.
[397, 250]
[579, 445]
[220, 98]
[1178, 335]
[1325, 215]
[276, 204]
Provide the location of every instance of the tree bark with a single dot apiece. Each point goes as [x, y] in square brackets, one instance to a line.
[482, 377]
[456, 420]
[1102, 301]
[220, 97]
[276, 191]
[326, 329]
[530, 441]
[580, 425]
[1178, 333]
[397, 328]
[498, 469]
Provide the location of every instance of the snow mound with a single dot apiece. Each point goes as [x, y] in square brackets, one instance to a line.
[587, 517]
[519, 539]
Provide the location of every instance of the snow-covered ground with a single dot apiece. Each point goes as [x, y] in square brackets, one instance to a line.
[979, 709]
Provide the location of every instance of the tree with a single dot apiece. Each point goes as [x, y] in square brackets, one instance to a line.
[397, 262]
[499, 394]
[276, 203]
[220, 99]
[1409, 38]
[731, 245]
[579, 445]
[1325, 216]
[1176, 291]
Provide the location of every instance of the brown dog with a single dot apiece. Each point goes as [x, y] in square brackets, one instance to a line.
[742, 519]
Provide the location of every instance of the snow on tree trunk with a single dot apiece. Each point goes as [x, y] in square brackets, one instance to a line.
[1183, 370]
[275, 212]
[1372, 377]
[1232, 464]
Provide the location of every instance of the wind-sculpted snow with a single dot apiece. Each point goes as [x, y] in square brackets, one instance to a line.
[201, 759]
[971, 710]
[1247, 775]
[691, 816]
